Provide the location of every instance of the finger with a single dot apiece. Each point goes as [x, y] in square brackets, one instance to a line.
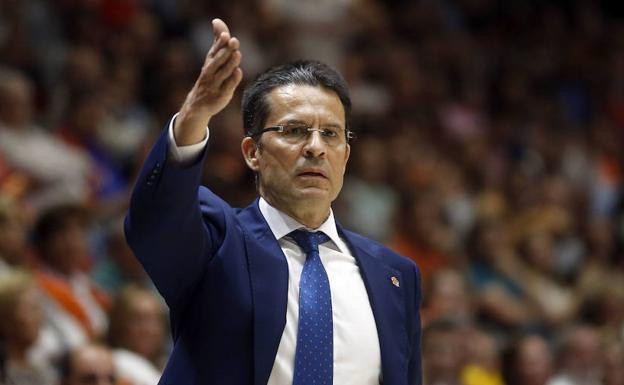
[220, 41]
[233, 43]
[221, 35]
[230, 84]
[219, 26]
[221, 57]
[226, 41]
[226, 69]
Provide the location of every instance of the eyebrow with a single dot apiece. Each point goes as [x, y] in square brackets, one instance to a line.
[295, 121]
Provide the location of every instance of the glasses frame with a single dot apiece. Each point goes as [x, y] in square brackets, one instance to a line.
[349, 135]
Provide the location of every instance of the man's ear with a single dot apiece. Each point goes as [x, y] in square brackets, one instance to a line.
[347, 153]
[250, 150]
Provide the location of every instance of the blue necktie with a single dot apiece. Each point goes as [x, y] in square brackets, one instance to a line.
[314, 358]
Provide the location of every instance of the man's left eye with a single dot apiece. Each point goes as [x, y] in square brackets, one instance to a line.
[330, 133]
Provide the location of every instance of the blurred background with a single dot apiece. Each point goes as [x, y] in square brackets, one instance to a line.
[490, 150]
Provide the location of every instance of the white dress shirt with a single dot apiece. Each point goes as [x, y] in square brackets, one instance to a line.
[357, 357]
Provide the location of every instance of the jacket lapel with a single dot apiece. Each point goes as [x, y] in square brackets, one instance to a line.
[388, 305]
[269, 284]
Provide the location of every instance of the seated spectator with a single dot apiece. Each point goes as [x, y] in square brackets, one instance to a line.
[120, 267]
[14, 184]
[447, 297]
[614, 363]
[20, 324]
[528, 361]
[13, 246]
[599, 266]
[88, 365]
[86, 114]
[502, 301]
[369, 200]
[603, 308]
[579, 358]
[73, 304]
[442, 355]
[421, 233]
[555, 302]
[56, 172]
[482, 365]
[137, 333]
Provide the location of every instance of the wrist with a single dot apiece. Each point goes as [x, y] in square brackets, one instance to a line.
[190, 127]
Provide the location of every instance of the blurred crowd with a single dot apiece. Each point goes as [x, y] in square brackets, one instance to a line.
[490, 150]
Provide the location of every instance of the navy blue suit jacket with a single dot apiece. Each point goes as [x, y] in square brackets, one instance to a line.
[225, 280]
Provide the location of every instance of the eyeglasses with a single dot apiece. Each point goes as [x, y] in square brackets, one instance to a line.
[297, 133]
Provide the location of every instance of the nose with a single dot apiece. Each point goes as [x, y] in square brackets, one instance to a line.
[314, 145]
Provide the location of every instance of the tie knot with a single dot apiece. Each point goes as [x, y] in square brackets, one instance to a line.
[307, 240]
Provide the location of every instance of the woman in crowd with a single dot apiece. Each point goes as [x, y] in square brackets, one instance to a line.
[136, 334]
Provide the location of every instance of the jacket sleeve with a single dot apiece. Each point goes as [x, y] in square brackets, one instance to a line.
[172, 236]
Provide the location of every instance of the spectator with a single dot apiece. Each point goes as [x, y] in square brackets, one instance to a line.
[84, 119]
[119, 267]
[442, 354]
[88, 364]
[13, 243]
[482, 365]
[57, 173]
[556, 303]
[73, 304]
[579, 358]
[20, 324]
[137, 333]
[528, 361]
[371, 202]
[448, 297]
[422, 234]
[614, 363]
[502, 301]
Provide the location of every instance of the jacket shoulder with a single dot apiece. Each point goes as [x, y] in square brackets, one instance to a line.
[389, 256]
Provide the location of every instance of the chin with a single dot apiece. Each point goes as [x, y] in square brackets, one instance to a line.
[314, 194]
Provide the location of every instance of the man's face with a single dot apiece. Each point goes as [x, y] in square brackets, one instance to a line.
[307, 173]
[68, 248]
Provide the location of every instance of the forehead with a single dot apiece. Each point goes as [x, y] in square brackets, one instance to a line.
[310, 104]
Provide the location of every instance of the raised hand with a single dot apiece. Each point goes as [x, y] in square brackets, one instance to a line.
[213, 89]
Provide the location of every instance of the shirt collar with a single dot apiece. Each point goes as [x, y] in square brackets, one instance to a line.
[281, 224]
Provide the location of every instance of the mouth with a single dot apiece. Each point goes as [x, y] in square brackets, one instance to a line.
[312, 174]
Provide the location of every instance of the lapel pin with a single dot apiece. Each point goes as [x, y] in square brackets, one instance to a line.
[395, 281]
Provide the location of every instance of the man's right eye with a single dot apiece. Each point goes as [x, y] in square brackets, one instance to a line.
[295, 130]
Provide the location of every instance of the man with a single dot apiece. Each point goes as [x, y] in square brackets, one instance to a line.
[252, 300]
[580, 357]
[74, 306]
[442, 355]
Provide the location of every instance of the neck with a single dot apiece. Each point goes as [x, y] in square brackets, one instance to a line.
[310, 216]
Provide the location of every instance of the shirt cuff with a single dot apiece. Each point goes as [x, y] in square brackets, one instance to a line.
[185, 155]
